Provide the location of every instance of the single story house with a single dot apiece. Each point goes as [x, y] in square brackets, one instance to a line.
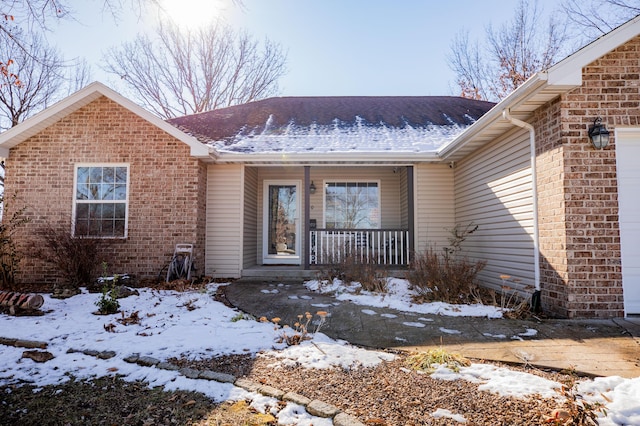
[293, 183]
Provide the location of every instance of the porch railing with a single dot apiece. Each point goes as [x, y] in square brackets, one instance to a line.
[379, 246]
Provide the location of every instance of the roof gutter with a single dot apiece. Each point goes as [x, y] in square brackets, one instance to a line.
[528, 88]
[534, 188]
[355, 157]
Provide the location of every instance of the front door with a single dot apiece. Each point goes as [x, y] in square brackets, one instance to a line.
[281, 230]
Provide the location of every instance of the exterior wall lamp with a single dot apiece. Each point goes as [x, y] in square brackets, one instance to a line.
[312, 188]
[598, 134]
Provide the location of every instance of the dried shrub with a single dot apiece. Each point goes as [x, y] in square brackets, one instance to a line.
[442, 277]
[446, 276]
[353, 267]
[9, 253]
[76, 258]
[515, 303]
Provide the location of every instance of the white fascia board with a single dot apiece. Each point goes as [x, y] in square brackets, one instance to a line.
[77, 100]
[332, 157]
[529, 87]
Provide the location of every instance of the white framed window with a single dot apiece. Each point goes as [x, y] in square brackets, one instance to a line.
[100, 206]
[352, 205]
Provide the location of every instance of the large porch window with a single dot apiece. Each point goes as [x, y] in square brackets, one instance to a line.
[352, 205]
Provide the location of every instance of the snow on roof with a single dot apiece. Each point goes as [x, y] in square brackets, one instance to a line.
[335, 124]
[340, 137]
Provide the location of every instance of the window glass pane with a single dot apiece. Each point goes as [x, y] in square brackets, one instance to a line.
[82, 191]
[108, 211]
[82, 211]
[106, 228]
[352, 205]
[105, 191]
[94, 228]
[120, 192]
[121, 175]
[95, 174]
[93, 191]
[120, 211]
[108, 175]
[118, 230]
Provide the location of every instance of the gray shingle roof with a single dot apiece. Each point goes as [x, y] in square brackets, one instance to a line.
[343, 111]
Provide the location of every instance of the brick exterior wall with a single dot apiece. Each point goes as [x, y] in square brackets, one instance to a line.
[577, 188]
[167, 188]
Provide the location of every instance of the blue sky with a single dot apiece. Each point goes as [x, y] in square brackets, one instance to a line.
[335, 47]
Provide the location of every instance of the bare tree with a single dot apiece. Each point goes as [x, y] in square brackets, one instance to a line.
[594, 18]
[182, 72]
[44, 78]
[512, 54]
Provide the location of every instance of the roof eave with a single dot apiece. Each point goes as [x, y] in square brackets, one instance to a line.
[484, 125]
[356, 157]
[541, 88]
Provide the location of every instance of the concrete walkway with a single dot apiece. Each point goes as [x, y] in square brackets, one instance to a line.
[594, 347]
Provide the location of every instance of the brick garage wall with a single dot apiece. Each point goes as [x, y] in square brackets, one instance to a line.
[167, 188]
[587, 280]
[551, 209]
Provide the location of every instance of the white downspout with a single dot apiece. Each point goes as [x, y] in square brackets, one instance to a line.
[532, 148]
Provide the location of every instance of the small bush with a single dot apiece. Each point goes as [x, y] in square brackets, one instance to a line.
[438, 276]
[76, 258]
[355, 268]
[108, 302]
[446, 276]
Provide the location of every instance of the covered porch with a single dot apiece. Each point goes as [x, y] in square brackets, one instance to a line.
[306, 217]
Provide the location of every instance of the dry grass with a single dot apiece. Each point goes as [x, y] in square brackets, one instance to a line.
[428, 361]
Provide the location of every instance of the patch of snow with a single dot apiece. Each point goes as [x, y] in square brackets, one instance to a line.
[369, 312]
[502, 381]
[449, 331]
[323, 352]
[399, 297]
[442, 412]
[413, 324]
[497, 336]
[529, 333]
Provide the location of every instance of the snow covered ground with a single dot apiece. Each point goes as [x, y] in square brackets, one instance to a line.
[193, 324]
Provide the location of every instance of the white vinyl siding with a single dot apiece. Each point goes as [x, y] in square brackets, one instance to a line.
[224, 234]
[434, 205]
[493, 190]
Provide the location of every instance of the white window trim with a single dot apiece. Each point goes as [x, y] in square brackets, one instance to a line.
[74, 201]
[324, 196]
